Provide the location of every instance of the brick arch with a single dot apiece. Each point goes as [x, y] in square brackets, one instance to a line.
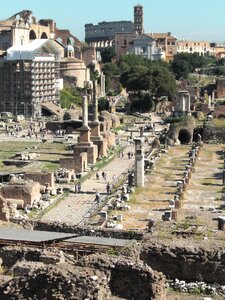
[33, 35]
[44, 35]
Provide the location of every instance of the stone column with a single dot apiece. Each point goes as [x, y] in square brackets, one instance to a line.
[188, 102]
[85, 111]
[95, 102]
[139, 162]
[223, 177]
[102, 85]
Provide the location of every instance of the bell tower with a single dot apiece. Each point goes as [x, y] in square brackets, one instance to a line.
[138, 19]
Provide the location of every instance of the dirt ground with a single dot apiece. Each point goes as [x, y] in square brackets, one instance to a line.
[201, 204]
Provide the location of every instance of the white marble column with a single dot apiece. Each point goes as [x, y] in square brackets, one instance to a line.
[85, 111]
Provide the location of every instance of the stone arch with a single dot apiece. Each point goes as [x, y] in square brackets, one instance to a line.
[33, 35]
[184, 136]
[44, 35]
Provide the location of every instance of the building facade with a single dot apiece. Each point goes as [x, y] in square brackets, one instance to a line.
[73, 70]
[201, 47]
[124, 42]
[145, 46]
[23, 27]
[103, 34]
[29, 77]
[167, 43]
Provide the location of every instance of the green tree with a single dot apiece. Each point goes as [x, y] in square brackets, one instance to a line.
[158, 81]
[107, 54]
[103, 104]
[181, 69]
[185, 63]
[136, 79]
[70, 96]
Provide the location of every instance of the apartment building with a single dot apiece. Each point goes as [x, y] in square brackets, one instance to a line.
[200, 47]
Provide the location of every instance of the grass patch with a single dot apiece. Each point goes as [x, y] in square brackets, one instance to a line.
[219, 122]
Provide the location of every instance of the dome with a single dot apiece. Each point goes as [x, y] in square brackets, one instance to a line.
[69, 48]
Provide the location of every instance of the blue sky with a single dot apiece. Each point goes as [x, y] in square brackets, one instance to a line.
[192, 19]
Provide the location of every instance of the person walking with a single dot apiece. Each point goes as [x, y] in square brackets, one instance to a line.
[79, 187]
[103, 175]
[97, 197]
[108, 189]
[97, 175]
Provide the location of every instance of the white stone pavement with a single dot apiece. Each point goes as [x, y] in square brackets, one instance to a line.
[75, 206]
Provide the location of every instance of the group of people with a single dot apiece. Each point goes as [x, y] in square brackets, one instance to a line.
[104, 175]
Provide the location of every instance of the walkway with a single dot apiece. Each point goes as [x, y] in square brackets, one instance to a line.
[74, 207]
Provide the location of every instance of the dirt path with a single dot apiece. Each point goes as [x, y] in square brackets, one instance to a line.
[160, 186]
[204, 191]
[201, 199]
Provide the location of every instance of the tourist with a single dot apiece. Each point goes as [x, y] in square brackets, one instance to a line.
[108, 188]
[76, 189]
[97, 175]
[97, 197]
[79, 187]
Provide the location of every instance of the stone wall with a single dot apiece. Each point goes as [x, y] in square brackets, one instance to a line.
[7, 210]
[42, 178]
[26, 191]
[213, 133]
[80, 230]
[185, 127]
[220, 87]
[185, 260]
[128, 279]
[61, 276]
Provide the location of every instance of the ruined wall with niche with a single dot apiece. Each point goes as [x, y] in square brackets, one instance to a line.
[186, 261]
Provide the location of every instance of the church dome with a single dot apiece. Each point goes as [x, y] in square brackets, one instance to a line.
[69, 48]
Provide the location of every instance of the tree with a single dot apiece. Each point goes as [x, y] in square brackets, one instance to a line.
[162, 84]
[136, 79]
[185, 63]
[107, 54]
[103, 104]
[157, 81]
[70, 96]
[181, 69]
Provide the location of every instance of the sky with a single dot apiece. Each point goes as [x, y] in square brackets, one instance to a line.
[190, 19]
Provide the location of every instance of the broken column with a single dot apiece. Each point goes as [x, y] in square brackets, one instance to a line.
[139, 162]
[96, 137]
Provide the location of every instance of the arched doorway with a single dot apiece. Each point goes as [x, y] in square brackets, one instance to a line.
[184, 136]
[44, 35]
[32, 35]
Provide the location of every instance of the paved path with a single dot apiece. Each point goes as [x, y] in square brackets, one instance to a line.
[74, 207]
